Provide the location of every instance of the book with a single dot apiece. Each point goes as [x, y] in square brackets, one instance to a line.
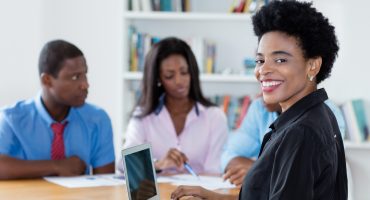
[355, 116]
[136, 5]
[156, 5]
[240, 7]
[232, 112]
[133, 53]
[234, 107]
[226, 102]
[359, 109]
[243, 111]
[146, 5]
[210, 57]
[166, 5]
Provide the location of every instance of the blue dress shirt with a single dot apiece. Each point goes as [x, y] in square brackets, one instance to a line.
[25, 133]
[247, 140]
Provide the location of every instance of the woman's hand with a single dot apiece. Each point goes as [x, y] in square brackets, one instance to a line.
[196, 192]
[173, 158]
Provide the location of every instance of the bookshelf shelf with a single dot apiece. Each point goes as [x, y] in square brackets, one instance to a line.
[175, 16]
[228, 78]
[218, 78]
[356, 145]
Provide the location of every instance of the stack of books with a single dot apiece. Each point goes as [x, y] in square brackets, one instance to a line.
[159, 5]
[140, 44]
[235, 108]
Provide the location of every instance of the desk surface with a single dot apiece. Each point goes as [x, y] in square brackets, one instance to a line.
[41, 189]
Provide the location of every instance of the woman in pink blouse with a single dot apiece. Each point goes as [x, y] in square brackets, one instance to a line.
[173, 115]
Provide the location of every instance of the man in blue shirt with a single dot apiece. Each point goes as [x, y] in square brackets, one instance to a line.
[243, 146]
[31, 146]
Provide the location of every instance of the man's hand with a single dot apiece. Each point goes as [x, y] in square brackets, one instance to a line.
[13, 168]
[236, 170]
[71, 166]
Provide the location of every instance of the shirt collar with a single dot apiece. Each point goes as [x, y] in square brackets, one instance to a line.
[161, 103]
[44, 113]
[299, 108]
[159, 108]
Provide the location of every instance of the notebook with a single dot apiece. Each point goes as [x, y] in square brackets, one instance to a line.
[140, 173]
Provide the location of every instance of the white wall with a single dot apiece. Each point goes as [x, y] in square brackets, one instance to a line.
[350, 76]
[20, 22]
[93, 25]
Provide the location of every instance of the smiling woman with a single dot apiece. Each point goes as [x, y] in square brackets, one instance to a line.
[302, 157]
[281, 67]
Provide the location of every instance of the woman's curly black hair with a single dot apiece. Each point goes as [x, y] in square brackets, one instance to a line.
[299, 19]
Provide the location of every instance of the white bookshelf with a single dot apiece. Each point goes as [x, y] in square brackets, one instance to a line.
[348, 145]
[209, 19]
[357, 158]
[176, 16]
[220, 78]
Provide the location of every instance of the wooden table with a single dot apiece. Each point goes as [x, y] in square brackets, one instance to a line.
[40, 189]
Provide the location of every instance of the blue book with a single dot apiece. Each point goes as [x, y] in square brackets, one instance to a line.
[166, 5]
[232, 112]
[359, 110]
[140, 51]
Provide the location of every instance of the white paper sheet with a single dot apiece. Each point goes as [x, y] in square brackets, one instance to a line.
[208, 182]
[87, 180]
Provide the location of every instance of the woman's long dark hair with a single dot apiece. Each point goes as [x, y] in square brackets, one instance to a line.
[151, 92]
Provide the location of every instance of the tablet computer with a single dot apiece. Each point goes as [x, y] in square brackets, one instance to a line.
[140, 173]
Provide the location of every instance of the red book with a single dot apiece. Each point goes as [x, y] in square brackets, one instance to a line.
[243, 111]
[240, 7]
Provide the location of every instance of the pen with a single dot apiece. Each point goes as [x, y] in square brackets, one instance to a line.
[190, 170]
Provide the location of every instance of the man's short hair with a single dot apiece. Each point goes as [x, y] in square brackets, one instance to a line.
[53, 55]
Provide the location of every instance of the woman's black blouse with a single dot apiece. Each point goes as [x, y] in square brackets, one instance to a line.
[302, 157]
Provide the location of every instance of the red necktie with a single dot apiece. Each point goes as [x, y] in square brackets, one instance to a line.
[57, 147]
